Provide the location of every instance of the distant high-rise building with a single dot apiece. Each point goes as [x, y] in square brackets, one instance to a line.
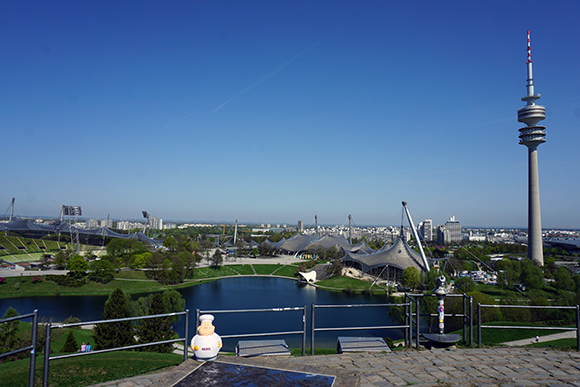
[300, 226]
[454, 228]
[426, 230]
[442, 235]
[107, 223]
[156, 223]
[531, 136]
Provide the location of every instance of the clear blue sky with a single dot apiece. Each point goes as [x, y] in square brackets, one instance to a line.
[274, 111]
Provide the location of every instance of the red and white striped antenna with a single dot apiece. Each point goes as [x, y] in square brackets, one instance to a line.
[529, 49]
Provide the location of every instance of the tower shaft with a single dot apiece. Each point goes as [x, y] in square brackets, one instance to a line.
[535, 244]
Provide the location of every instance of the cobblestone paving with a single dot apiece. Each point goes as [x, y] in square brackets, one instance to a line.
[509, 367]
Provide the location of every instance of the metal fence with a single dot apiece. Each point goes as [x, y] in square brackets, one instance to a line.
[290, 309]
[577, 329]
[31, 347]
[49, 327]
[466, 315]
[313, 328]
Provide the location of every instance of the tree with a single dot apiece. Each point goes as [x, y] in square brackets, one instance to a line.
[70, 344]
[430, 280]
[60, 260]
[117, 334]
[563, 279]
[411, 277]
[170, 243]
[156, 329]
[102, 271]
[140, 260]
[77, 266]
[216, 259]
[531, 275]
[464, 285]
[9, 331]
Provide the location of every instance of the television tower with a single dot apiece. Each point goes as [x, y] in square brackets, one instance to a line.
[531, 136]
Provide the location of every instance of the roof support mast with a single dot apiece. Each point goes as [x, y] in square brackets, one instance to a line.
[416, 235]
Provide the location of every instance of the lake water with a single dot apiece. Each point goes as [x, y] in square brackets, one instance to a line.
[242, 293]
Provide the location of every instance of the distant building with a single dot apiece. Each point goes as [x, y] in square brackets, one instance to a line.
[107, 223]
[454, 228]
[300, 226]
[426, 230]
[156, 223]
[450, 232]
[92, 223]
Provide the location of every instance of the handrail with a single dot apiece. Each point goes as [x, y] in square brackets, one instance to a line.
[49, 327]
[576, 307]
[286, 309]
[31, 347]
[313, 328]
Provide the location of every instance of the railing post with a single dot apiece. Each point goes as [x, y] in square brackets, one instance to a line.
[185, 341]
[312, 308]
[46, 356]
[304, 330]
[33, 351]
[407, 323]
[464, 319]
[479, 324]
[578, 327]
[470, 321]
[417, 322]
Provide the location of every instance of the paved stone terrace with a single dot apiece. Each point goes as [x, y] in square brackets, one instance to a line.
[438, 367]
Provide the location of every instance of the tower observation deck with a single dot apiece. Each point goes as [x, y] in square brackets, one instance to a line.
[531, 136]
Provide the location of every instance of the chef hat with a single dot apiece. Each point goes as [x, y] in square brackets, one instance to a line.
[205, 317]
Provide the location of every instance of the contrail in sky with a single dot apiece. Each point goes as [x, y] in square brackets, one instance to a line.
[182, 118]
[271, 74]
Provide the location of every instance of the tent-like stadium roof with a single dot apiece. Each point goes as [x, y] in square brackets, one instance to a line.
[399, 255]
[328, 241]
[62, 227]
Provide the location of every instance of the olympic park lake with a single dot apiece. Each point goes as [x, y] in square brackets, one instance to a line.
[244, 293]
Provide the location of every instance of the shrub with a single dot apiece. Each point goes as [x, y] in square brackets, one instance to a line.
[70, 345]
[2, 280]
[36, 279]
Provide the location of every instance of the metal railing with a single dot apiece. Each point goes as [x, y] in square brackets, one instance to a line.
[577, 329]
[290, 309]
[313, 328]
[31, 347]
[49, 327]
[467, 315]
[410, 321]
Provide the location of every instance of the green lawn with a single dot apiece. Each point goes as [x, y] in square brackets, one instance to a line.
[494, 336]
[242, 269]
[286, 271]
[131, 274]
[563, 344]
[265, 269]
[349, 285]
[210, 272]
[87, 370]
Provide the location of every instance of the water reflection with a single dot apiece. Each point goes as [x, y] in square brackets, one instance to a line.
[242, 293]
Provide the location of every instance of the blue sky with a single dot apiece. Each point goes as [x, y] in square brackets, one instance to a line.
[274, 111]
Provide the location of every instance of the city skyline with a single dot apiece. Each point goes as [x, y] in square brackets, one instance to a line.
[275, 112]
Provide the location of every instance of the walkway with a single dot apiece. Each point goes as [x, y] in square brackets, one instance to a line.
[454, 367]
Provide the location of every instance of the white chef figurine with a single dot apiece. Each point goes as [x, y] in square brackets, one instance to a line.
[206, 344]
